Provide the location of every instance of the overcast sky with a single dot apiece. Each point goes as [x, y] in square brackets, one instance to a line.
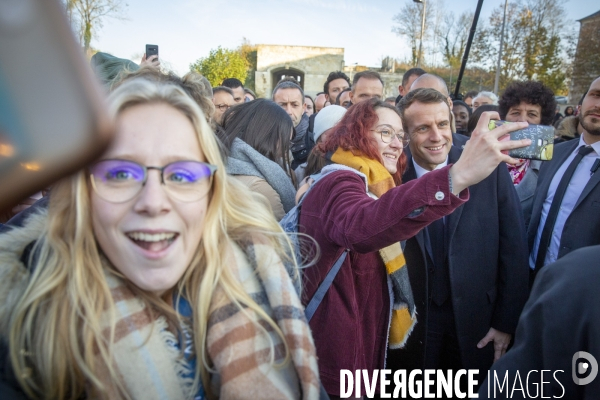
[186, 30]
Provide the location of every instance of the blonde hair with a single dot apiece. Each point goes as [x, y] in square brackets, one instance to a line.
[194, 84]
[55, 333]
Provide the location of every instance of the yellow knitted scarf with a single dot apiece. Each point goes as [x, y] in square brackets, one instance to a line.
[404, 316]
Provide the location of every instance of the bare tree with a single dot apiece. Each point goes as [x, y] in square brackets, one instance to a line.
[452, 34]
[408, 24]
[87, 16]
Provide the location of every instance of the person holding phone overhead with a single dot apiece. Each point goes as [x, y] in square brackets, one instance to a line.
[153, 274]
[468, 270]
[363, 210]
[150, 57]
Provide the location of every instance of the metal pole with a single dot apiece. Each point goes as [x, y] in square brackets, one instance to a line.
[422, 30]
[497, 80]
[468, 48]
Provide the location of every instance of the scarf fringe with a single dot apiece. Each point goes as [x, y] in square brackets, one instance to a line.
[182, 368]
[396, 346]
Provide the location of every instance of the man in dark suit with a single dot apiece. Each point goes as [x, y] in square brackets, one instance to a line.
[561, 318]
[566, 206]
[469, 273]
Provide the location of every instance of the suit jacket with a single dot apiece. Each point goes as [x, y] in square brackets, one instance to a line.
[561, 318]
[582, 227]
[488, 271]
[459, 140]
[526, 189]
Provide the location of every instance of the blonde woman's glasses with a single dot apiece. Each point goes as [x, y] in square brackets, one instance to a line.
[118, 181]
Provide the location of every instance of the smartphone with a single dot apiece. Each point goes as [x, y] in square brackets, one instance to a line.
[53, 120]
[542, 141]
[151, 50]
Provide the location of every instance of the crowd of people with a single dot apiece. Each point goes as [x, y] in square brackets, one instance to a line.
[160, 271]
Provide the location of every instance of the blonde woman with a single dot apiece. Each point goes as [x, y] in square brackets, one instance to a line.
[153, 274]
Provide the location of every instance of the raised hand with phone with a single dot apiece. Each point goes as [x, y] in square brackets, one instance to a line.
[150, 57]
[484, 152]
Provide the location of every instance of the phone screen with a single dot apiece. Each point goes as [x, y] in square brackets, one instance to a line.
[151, 50]
[542, 141]
[52, 115]
[12, 133]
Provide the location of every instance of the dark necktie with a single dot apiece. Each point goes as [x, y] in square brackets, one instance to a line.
[440, 288]
[555, 206]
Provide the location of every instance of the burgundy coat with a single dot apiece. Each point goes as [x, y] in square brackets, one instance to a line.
[350, 326]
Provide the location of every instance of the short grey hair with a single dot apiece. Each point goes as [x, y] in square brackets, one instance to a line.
[288, 85]
[490, 95]
[222, 89]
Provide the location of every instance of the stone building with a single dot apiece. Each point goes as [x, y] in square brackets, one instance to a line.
[586, 65]
[391, 80]
[309, 65]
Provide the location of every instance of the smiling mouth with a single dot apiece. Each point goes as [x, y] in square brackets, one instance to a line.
[154, 242]
[435, 148]
[392, 157]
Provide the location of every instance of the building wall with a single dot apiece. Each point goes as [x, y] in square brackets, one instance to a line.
[391, 80]
[586, 65]
[315, 62]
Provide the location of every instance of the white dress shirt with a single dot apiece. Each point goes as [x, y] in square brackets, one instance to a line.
[576, 185]
[422, 171]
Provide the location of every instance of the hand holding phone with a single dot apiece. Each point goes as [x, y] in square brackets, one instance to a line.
[542, 141]
[65, 125]
[150, 57]
[151, 50]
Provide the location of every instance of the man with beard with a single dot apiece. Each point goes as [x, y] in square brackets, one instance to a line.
[335, 83]
[565, 213]
[239, 95]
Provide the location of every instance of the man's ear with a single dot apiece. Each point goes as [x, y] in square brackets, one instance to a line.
[351, 95]
[450, 103]
[304, 107]
[326, 97]
[401, 90]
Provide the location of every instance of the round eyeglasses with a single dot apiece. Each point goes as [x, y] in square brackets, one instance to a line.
[388, 134]
[118, 181]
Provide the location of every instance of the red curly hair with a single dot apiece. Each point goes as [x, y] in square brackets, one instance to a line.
[353, 133]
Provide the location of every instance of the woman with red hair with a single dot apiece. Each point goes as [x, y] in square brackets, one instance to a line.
[358, 208]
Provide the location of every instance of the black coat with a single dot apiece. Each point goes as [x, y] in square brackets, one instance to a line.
[561, 318]
[488, 270]
[582, 227]
[9, 386]
[459, 140]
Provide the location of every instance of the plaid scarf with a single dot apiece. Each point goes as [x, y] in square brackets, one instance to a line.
[144, 353]
[404, 316]
[151, 364]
